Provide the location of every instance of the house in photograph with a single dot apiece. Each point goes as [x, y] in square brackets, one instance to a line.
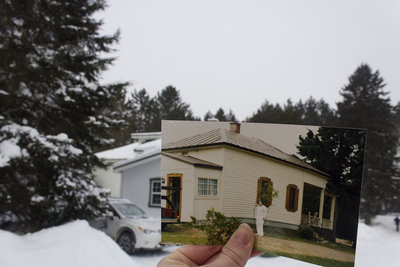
[140, 177]
[223, 169]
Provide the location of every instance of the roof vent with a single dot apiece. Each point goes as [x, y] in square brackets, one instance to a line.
[235, 127]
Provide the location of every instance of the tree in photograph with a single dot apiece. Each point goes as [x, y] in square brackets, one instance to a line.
[339, 152]
[365, 104]
[53, 111]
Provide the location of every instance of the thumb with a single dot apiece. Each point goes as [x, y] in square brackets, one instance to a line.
[238, 249]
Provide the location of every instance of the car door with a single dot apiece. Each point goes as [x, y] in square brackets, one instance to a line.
[113, 224]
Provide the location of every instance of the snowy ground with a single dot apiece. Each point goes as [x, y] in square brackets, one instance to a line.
[76, 244]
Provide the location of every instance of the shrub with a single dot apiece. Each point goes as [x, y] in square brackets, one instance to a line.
[218, 227]
[306, 232]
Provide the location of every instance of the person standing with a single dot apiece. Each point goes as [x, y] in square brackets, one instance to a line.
[261, 216]
[396, 221]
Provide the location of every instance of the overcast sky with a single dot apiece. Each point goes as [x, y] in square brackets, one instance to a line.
[237, 54]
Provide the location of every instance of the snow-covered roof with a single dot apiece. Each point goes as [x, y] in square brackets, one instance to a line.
[129, 151]
[149, 149]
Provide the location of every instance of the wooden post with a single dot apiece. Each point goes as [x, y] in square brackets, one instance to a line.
[321, 207]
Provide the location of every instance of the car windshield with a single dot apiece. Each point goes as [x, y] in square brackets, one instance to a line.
[128, 209]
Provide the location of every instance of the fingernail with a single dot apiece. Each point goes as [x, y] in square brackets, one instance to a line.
[242, 234]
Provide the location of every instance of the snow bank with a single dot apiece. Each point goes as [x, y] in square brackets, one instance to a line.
[378, 245]
[72, 244]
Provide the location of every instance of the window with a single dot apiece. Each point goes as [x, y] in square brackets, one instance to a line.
[155, 192]
[264, 191]
[292, 197]
[207, 187]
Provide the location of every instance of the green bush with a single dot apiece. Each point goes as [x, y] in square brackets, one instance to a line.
[306, 232]
[218, 227]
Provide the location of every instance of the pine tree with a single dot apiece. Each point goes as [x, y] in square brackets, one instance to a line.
[145, 110]
[365, 104]
[171, 107]
[267, 113]
[317, 113]
[220, 115]
[53, 111]
[311, 112]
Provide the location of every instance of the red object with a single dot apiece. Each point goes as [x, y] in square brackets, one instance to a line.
[166, 212]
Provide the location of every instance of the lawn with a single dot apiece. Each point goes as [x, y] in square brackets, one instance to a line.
[311, 259]
[288, 234]
[183, 233]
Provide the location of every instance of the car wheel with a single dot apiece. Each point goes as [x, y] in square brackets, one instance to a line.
[127, 242]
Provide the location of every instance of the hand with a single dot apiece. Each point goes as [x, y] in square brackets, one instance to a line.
[236, 252]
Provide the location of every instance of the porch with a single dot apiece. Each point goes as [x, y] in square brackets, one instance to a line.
[318, 207]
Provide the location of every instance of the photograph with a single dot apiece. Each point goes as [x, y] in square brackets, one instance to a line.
[297, 186]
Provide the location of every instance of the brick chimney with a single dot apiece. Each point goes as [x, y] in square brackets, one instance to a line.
[235, 127]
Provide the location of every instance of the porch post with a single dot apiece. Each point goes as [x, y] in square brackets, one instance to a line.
[321, 207]
[331, 216]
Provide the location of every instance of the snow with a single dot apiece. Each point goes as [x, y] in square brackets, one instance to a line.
[77, 244]
[9, 150]
[130, 151]
[72, 244]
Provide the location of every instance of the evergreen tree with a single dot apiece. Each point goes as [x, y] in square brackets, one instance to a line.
[145, 110]
[317, 113]
[208, 116]
[220, 115]
[365, 104]
[171, 107]
[339, 152]
[311, 112]
[267, 113]
[53, 111]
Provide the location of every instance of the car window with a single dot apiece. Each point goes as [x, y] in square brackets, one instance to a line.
[129, 209]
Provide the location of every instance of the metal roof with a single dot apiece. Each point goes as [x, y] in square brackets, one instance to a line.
[226, 137]
[193, 161]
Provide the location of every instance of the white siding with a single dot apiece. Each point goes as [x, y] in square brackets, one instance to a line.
[135, 184]
[214, 154]
[108, 179]
[239, 190]
[204, 203]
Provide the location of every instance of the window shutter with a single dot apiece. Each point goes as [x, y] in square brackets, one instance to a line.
[269, 201]
[259, 186]
[287, 196]
[296, 200]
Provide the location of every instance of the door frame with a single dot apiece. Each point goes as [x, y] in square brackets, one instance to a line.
[169, 183]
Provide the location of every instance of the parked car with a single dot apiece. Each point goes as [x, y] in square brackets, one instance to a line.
[130, 226]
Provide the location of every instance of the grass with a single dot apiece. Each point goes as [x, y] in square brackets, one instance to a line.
[314, 260]
[288, 234]
[183, 234]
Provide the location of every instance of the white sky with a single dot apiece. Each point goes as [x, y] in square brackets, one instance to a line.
[237, 54]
